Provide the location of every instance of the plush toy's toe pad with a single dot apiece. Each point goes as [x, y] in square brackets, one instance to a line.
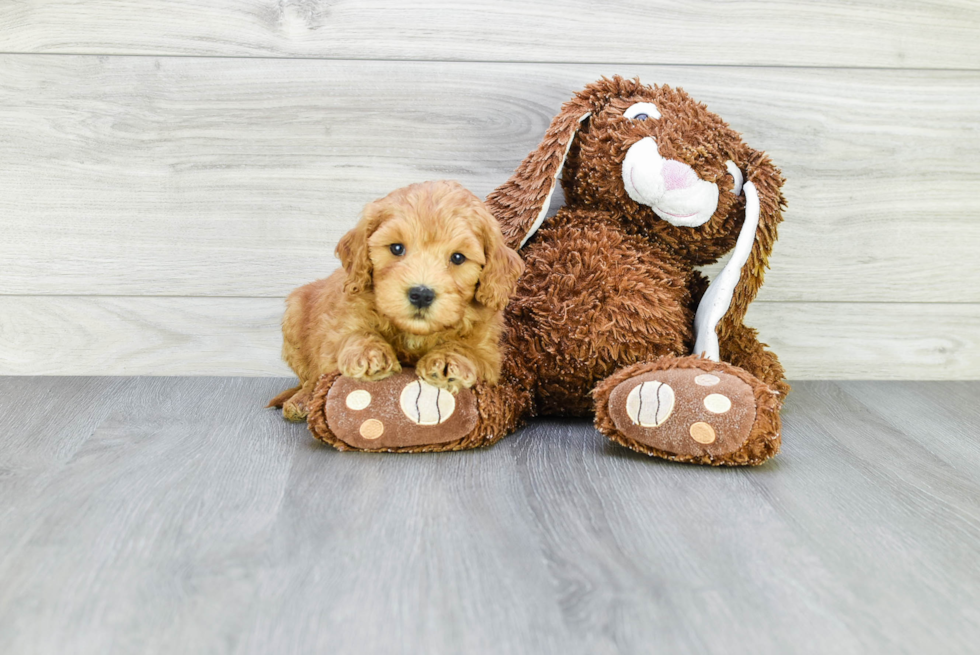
[398, 412]
[685, 411]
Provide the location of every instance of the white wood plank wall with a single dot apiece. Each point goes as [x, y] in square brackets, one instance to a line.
[170, 169]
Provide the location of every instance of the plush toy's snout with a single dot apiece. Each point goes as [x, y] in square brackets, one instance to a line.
[670, 187]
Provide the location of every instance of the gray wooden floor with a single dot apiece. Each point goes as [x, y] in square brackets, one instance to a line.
[175, 515]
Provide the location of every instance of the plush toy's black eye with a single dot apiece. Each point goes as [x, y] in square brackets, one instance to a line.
[640, 117]
[457, 258]
[397, 249]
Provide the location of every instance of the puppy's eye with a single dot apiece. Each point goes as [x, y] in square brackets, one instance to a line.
[457, 258]
[397, 249]
[641, 117]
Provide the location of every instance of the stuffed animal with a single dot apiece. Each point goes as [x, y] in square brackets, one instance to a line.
[612, 317]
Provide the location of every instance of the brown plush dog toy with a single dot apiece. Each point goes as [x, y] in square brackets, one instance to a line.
[611, 315]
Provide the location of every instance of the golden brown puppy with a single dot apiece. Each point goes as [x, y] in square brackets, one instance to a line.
[425, 277]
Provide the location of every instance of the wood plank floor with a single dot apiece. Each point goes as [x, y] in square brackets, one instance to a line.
[175, 515]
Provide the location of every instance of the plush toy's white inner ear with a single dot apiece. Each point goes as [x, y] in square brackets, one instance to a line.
[736, 175]
[554, 181]
[718, 297]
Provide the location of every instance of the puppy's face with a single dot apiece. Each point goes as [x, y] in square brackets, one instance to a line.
[427, 261]
[432, 252]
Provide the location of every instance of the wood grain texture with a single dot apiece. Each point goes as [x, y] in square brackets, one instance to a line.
[942, 418]
[185, 518]
[810, 33]
[205, 177]
[172, 496]
[872, 341]
[241, 336]
[140, 336]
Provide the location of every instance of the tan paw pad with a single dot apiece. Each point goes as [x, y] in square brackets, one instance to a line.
[650, 403]
[358, 399]
[425, 404]
[702, 433]
[717, 403]
[707, 380]
[372, 429]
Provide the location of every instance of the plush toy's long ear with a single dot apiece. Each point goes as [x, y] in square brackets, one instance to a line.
[352, 249]
[724, 304]
[521, 203]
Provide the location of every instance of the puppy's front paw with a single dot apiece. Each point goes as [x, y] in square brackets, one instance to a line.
[369, 362]
[450, 371]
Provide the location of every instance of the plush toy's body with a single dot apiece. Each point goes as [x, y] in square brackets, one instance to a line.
[611, 315]
[593, 299]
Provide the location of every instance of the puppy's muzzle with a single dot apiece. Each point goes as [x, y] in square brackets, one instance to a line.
[421, 296]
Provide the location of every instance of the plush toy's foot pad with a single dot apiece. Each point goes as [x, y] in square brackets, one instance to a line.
[684, 411]
[400, 412]
[691, 410]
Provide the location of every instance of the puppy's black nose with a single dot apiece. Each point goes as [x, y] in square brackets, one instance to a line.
[421, 296]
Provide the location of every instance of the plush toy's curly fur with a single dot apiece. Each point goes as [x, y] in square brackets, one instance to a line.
[610, 289]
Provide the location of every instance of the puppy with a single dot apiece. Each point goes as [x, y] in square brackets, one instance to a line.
[426, 275]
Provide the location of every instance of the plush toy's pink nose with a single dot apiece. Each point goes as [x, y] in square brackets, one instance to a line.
[678, 175]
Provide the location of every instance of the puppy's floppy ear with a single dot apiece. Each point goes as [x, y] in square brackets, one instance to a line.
[352, 250]
[723, 306]
[503, 266]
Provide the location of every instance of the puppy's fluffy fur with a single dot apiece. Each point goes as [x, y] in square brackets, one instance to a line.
[360, 321]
